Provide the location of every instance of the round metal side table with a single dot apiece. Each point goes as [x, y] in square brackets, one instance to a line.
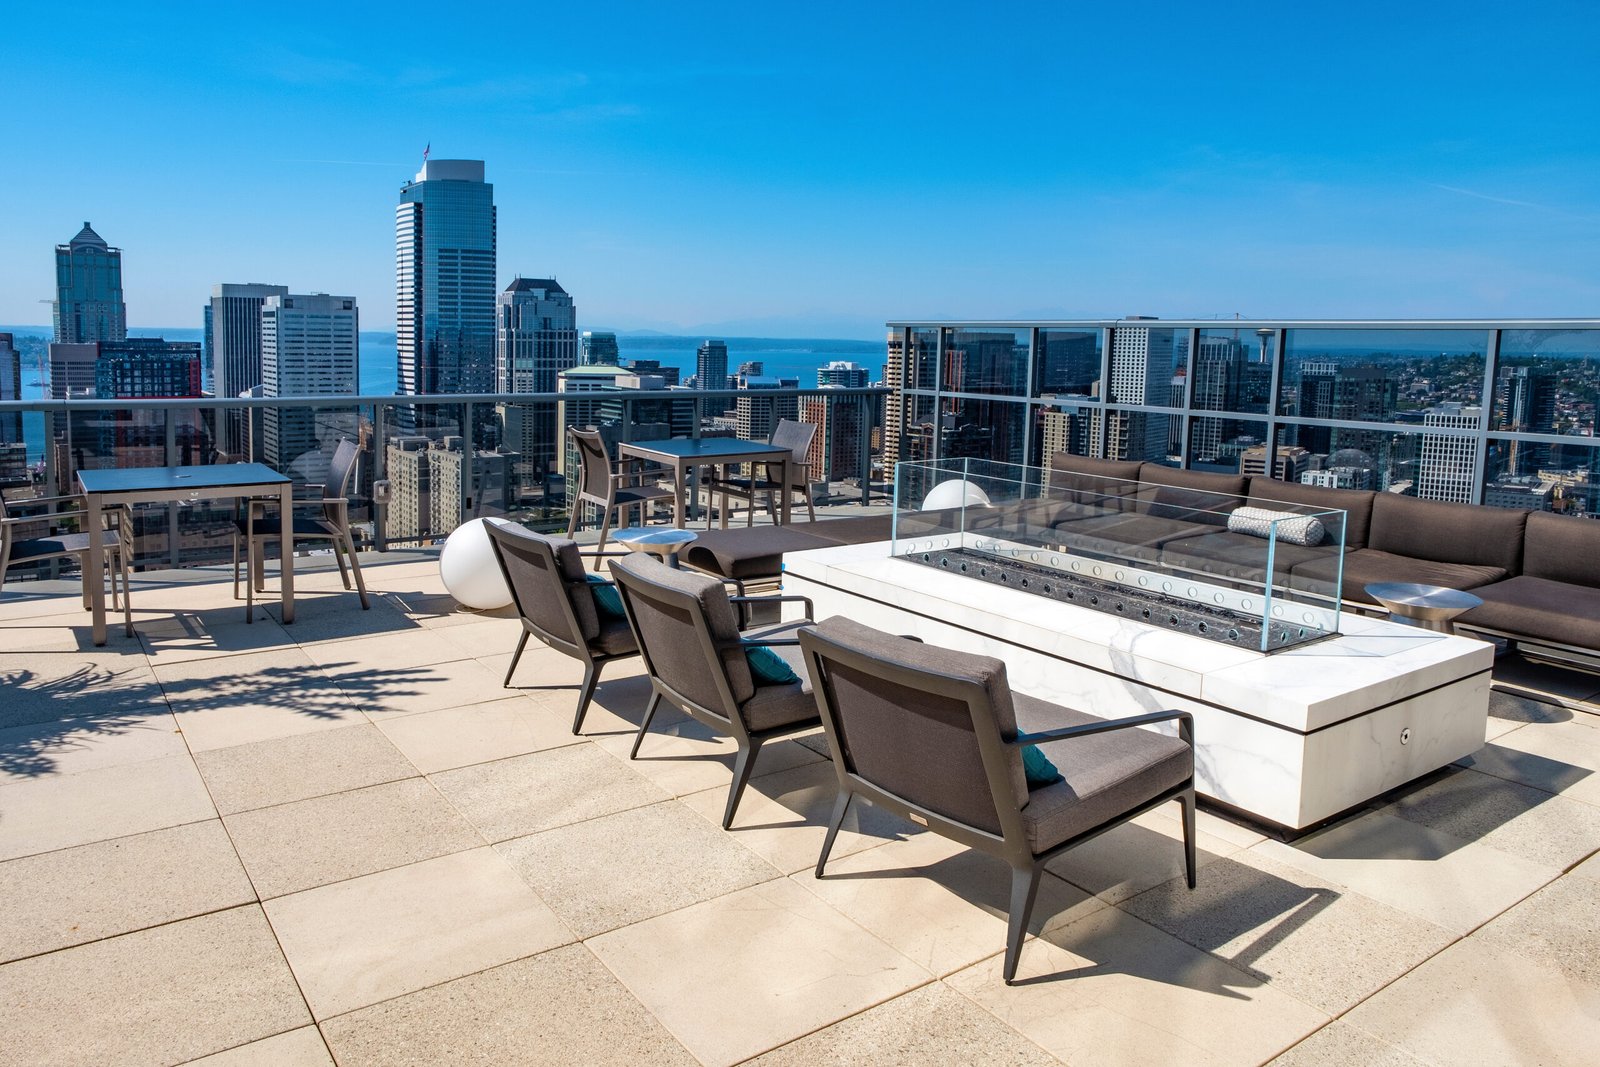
[663, 541]
[1432, 607]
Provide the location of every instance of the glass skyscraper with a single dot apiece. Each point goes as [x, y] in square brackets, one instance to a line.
[89, 304]
[445, 276]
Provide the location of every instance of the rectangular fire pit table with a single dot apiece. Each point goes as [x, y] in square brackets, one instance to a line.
[1292, 738]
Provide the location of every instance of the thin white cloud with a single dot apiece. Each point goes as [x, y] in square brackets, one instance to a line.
[1509, 201]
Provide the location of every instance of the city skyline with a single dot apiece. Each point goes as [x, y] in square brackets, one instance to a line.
[894, 186]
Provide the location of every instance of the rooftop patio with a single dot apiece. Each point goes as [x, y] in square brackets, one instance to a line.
[345, 841]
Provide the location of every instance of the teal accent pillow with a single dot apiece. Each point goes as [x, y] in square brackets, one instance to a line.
[1038, 768]
[767, 667]
[606, 597]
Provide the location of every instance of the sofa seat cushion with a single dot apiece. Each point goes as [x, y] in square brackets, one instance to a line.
[1131, 537]
[1539, 609]
[1103, 775]
[1370, 565]
[1238, 557]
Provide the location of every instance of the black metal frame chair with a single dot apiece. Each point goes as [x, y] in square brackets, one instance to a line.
[260, 525]
[929, 734]
[555, 600]
[609, 485]
[686, 629]
[797, 437]
[54, 544]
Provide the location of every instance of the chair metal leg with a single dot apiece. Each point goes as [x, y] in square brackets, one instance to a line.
[591, 678]
[355, 568]
[1024, 886]
[522, 643]
[252, 560]
[742, 765]
[236, 566]
[841, 805]
[605, 531]
[127, 593]
[1187, 802]
[811, 509]
[644, 724]
[338, 557]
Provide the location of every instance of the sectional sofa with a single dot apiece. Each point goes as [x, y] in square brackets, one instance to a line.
[1538, 574]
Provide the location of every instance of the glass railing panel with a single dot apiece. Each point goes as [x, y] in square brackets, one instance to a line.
[1227, 445]
[1546, 382]
[992, 362]
[922, 360]
[968, 427]
[1147, 365]
[1143, 435]
[1399, 375]
[1065, 426]
[1233, 371]
[1345, 457]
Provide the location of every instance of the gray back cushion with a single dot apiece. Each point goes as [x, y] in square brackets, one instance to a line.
[1356, 503]
[1447, 533]
[1562, 549]
[1085, 480]
[537, 588]
[916, 743]
[1191, 496]
[665, 601]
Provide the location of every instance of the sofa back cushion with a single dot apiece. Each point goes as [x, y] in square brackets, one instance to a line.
[1190, 496]
[1447, 533]
[1561, 548]
[1356, 503]
[1108, 483]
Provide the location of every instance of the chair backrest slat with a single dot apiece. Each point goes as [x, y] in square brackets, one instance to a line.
[342, 470]
[594, 467]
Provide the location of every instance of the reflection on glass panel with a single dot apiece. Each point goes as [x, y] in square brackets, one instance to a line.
[1354, 458]
[1564, 481]
[1547, 381]
[918, 430]
[1147, 365]
[1143, 435]
[1382, 375]
[1228, 445]
[1068, 363]
[993, 362]
[923, 360]
[1066, 428]
[982, 429]
[423, 469]
[1234, 372]
[844, 424]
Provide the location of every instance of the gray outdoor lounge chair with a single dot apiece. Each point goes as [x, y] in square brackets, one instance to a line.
[694, 652]
[936, 736]
[555, 599]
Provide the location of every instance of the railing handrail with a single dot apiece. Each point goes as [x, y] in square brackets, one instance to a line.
[1250, 324]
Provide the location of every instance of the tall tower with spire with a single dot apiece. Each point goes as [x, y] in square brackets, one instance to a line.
[88, 305]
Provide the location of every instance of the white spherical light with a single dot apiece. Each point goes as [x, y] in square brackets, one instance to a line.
[469, 569]
[955, 493]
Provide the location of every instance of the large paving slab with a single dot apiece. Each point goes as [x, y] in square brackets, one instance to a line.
[294, 1048]
[741, 974]
[558, 1007]
[61, 811]
[159, 996]
[368, 939]
[49, 687]
[76, 895]
[481, 733]
[257, 696]
[68, 746]
[328, 839]
[300, 766]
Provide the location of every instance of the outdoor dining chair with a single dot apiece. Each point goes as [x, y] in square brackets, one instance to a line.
[745, 685]
[611, 486]
[795, 436]
[26, 539]
[324, 516]
[938, 737]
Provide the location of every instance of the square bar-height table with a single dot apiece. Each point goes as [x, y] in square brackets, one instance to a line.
[165, 485]
[685, 453]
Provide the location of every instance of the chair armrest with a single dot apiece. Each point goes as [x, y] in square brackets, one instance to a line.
[586, 551]
[1184, 719]
[811, 610]
[764, 642]
[78, 498]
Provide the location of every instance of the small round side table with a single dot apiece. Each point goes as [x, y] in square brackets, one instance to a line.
[1432, 607]
[663, 541]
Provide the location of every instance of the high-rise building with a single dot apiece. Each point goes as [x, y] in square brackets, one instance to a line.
[598, 349]
[536, 339]
[1141, 373]
[88, 305]
[711, 365]
[13, 450]
[653, 367]
[148, 368]
[445, 279]
[1445, 469]
[233, 347]
[1525, 402]
[310, 346]
[756, 413]
[836, 447]
[842, 372]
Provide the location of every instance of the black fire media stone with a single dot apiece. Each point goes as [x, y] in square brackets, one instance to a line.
[1224, 625]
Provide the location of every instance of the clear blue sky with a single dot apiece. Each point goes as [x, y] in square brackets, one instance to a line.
[816, 169]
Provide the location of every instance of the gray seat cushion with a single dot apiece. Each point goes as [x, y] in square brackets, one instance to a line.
[1370, 565]
[754, 552]
[1124, 536]
[1103, 775]
[1540, 609]
[1238, 557]
[615, 638]
[59, 545]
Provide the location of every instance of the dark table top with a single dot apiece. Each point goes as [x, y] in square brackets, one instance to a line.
[177, 479]
[708, 449]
